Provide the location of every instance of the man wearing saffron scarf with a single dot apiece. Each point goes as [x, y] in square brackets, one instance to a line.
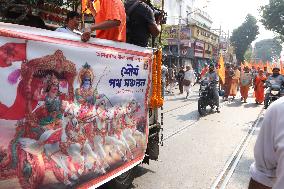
[259, 87]
[110, 20]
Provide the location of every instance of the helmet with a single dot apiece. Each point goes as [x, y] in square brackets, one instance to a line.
[276, 68]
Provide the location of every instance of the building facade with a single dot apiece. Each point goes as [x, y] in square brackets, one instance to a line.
[176, 8]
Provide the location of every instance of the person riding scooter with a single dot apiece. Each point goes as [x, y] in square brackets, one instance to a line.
[213, 78]
[275, 82]
[276, 77]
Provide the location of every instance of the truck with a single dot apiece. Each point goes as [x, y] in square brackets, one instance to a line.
[72, 113]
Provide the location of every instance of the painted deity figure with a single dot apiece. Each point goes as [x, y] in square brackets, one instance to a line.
[86, 94]
[51, 126]
[50, 114]
[89, 114]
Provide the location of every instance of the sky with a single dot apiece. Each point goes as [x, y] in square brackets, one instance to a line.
[230, 14]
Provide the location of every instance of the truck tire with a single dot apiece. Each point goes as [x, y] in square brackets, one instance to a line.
[123, 181]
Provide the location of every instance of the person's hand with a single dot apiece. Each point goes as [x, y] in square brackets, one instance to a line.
[90, 5]
[158, 19]
[86, 36]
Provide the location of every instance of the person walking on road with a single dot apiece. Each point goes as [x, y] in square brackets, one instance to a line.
[235, 82]
[188, 81]
[170, 80]
[259, 87]
[164, 78]
[228, 80]
[268, 169]
[245, 83]
[180, 77]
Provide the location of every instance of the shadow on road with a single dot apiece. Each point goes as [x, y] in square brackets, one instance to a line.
[252, 105]
[234, 103]
[193, 115]
[139, 171]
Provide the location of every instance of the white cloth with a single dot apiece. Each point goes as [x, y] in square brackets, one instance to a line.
[268, 168]
[164, 73]
[67, 30]
[189, 75]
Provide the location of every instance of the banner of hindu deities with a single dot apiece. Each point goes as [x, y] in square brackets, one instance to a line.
[69, 111]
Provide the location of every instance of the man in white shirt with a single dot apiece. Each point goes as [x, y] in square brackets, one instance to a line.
[164, 77]
[188, 80]
[72, 24]
[268, 169]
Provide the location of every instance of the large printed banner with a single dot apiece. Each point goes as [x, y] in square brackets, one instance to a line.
[71, 113]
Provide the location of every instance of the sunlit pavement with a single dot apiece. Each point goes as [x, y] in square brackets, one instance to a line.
[197, 152]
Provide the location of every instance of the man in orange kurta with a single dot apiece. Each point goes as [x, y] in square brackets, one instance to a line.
[259, 87]
[110, 19]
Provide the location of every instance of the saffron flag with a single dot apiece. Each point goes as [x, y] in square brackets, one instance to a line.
[221, 70]
[255, 65]
[281, 67]
[250, 65]
[11, 52]
[269, 70]
[85, 10]
[260, 65]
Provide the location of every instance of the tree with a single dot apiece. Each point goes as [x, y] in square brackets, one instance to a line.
[273, 17]
[243, 36]
[268, 50]
[248, 54]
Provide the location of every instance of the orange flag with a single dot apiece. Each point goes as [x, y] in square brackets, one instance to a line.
[249, 65]
[255, 65]
[85, 10]
[260, 65]
[281, 67]
[221, 70]
[269, 70]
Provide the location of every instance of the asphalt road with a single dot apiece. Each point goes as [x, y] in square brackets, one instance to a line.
[197, 152]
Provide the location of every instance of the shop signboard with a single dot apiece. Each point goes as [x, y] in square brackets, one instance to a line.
[199, 49]
[171, 34]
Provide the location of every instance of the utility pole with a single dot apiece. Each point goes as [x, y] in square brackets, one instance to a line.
[179, 30]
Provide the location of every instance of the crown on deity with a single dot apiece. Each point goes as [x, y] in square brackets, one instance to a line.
[86, 72]
[52, 80]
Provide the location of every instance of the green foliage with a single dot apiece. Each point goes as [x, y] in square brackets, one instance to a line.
[243, 36]
[248, 54]
[273, 16]
[268, 50]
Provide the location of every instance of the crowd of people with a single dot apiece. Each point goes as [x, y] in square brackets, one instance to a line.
[243, 79]
[185, 78]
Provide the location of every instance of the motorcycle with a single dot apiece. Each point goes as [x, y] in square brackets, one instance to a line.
[272, 92]
[206, 96]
